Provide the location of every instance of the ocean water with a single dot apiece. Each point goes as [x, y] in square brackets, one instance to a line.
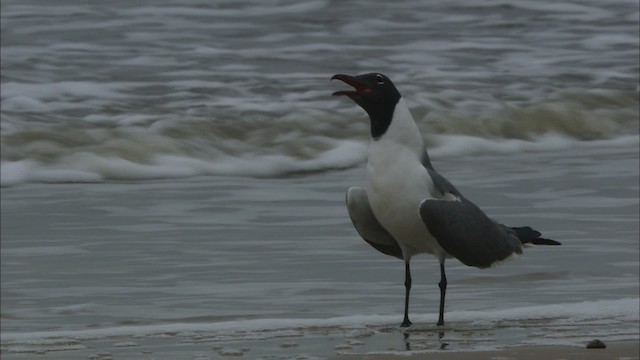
[146, 90]
[173, 175]
[272, 268]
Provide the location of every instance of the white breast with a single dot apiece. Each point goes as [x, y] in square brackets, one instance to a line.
[397, 182]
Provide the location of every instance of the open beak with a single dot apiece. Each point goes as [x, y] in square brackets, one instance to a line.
[358, 87]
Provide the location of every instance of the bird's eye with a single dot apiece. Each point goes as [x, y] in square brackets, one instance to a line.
[380, 79]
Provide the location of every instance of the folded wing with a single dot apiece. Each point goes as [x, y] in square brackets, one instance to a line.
[465, 232]
[368, 226]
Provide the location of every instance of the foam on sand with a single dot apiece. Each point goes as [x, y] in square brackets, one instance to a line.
[546, 324]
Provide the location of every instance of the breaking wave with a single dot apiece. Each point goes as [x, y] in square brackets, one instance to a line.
[137, 147]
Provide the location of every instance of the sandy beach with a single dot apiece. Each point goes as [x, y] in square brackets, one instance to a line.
[627, 350]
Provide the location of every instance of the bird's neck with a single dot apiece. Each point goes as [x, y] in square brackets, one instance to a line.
[402, 131]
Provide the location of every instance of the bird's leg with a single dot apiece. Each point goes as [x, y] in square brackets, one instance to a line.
[407, 286]
[443, 291]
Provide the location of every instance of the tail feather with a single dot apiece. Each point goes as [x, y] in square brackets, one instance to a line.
[527, 235]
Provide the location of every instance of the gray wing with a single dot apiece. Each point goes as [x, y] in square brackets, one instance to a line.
[368, 226]
[464, 231]
[442, 184]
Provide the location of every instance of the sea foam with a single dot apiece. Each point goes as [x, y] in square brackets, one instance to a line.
[623, 310]
[175, 94]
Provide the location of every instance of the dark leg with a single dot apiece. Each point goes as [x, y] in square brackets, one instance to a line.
[407, 286]
[407, 341]
[443, 291]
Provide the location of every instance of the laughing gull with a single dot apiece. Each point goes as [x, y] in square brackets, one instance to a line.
[408, 208]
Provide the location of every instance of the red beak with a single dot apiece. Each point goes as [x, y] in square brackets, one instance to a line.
[350, 80]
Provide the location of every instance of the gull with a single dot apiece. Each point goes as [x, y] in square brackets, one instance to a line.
[407, 207]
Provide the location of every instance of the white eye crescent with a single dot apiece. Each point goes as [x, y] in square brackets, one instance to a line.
[380, 79]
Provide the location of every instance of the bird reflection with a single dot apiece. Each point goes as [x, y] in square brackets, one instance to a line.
[407, 340]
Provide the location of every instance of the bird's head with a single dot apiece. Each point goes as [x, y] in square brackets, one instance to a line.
[376, 94]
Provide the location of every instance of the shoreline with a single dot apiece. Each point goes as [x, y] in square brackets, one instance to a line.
[615, 350]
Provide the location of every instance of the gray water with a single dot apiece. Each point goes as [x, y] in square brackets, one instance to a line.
[222, 257]
[173, 175]
[148, 90]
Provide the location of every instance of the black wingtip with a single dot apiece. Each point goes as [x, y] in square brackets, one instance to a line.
[529, 236]
[543, 241]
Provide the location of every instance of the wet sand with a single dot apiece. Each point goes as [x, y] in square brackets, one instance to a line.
[627, 350]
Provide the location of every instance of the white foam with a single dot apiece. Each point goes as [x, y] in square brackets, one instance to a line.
[16, 172]
[604, 41]
[92, 167]
[225, 97]
[81, 89]
[24, 104]
[345, 154]
[460, 145]
[623, 310]
[140, 155]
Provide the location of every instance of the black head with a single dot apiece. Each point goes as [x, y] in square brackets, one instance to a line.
[376, 94]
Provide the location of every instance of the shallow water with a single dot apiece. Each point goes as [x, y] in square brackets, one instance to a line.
[274, 266]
